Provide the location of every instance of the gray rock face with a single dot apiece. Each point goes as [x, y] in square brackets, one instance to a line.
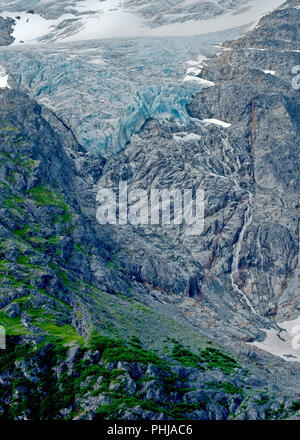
[49, 9]
[41, 177]
[262, 108]
[240, 269]
[13, 310]
[63, 277]
[6, 29]
[163, 12]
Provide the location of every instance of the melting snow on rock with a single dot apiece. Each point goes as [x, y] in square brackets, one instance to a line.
[3, 79]
[280, 343]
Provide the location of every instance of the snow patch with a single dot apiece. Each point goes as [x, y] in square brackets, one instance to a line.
[280, 343]
[199, 62]
[217, 122]
[98, 61]
[201, 81]
[270, 72]
[32, 26]
[193, 71]
[3, 79]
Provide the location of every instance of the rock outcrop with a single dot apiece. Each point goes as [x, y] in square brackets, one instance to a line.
[6, 30]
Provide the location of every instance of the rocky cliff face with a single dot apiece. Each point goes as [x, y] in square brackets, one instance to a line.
[80, 302]
[6, 30]
[80, 344]
[241, 147]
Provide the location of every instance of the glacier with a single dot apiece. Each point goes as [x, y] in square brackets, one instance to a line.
[67, 57]
[105, 90]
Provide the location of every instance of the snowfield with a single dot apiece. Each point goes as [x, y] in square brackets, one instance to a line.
[217, 122]
[283, 344]
[3, 79]
[76, 20]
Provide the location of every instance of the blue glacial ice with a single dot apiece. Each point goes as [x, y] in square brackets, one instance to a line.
[106, 89]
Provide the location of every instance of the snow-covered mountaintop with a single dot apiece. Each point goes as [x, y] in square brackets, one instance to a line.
[77, 20]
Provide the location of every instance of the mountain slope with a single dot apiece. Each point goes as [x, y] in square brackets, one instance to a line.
[63, 285]
[80, 302]
[78, 344]
[241, 147]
